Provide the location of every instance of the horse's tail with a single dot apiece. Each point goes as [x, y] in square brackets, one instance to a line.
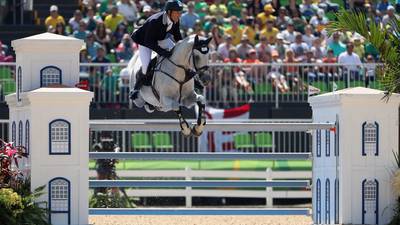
[131, 69]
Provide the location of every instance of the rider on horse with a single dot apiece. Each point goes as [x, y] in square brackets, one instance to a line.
[154, 34]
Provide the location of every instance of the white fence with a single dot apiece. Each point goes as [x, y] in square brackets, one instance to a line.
[269, 194]
[232, 84]
[262, 183]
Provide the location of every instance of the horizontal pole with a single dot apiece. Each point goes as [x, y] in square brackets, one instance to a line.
[173, 125]
[245, 174]
[199, 211]
[198, 183]
[198, 156]
[227, 193]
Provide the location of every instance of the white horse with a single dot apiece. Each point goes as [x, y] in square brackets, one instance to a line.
[173, 85]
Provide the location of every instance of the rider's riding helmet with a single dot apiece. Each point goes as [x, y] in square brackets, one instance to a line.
[174, 5]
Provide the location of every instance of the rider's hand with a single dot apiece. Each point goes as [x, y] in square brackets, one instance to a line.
[191, 73]
[166, 54]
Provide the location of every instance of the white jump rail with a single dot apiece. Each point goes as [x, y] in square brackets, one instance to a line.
[172, 125]
[198, 156]
[199, 183]
[213, 174]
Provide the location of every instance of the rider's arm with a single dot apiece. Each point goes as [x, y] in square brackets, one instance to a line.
[151, 37]
[176, 32]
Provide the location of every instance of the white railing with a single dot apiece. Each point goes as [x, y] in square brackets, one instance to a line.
[232, 84]
[261, 184]
[268, 193]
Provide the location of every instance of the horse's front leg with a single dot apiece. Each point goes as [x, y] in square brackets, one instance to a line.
[197, 129]
[185, 128]
[201, 118]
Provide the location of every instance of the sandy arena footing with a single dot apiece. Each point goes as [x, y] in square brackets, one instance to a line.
[200, 220]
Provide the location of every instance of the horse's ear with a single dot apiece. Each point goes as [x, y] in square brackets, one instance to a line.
[196, 39]
[208, 40]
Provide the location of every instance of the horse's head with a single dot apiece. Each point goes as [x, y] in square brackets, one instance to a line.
[200, 58]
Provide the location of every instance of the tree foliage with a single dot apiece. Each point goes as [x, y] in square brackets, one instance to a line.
[385, 39]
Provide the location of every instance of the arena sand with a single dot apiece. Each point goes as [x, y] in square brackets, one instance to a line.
[200, 220]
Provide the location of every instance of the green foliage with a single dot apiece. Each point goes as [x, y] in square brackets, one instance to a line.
[20, 208]
[396, 217]
[18, 205]
[396, 212]
[10, 206]
[385, 39]
[33, 212]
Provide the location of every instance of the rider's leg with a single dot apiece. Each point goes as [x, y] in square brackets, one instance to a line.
[145, 57]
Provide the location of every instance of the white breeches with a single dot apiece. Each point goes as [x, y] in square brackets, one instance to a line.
[145, 52]
[145, 56]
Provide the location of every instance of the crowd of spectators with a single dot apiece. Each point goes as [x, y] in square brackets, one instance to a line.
[251, 31]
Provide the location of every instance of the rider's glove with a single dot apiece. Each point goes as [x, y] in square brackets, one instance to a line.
[166, 54]
[191, 73]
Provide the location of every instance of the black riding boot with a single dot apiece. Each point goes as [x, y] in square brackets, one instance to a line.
[140, 79]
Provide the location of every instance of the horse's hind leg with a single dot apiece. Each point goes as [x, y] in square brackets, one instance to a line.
[185, 128]
[197, 129]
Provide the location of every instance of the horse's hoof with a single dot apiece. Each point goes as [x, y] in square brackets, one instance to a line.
[149, 108]
[186, 132]
[195, 132]
[185, 129]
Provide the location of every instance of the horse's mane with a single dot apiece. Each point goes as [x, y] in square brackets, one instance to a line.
[185, 43]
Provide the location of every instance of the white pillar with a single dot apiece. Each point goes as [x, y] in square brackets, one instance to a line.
[58, 116]
[359, 174]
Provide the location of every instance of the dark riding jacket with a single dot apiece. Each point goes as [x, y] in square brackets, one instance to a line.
[155, 29]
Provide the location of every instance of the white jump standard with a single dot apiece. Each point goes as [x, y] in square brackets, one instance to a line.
[352, 182]
[54, 118]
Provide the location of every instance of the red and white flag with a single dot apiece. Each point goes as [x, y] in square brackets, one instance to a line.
[220, 141]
